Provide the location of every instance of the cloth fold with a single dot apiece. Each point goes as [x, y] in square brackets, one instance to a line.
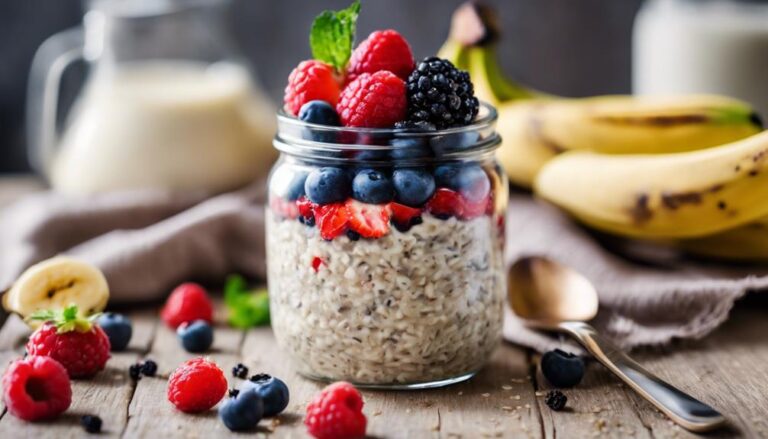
[147, 242]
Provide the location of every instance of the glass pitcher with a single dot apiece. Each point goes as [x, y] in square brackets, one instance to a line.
[167, 102]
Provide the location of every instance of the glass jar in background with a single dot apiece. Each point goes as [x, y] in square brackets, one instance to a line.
[168, 102]
[703, 46]
[406, 293]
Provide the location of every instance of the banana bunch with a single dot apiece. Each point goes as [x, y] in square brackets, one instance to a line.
[56, 283]
[687, 171]
[535, 127]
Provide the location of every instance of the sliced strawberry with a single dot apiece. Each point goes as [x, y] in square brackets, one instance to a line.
[473, 210]
[403, 214]
[445, 202]
[283, 208]
[369, 220]
[332, 219]
[305, 207]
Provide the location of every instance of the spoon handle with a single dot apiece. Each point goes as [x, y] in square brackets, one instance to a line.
[682, 408]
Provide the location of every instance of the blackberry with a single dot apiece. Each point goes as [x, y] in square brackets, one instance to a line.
[441, 94]
[91, 423]
[134, 371]
[418, 125]
[240, 371]
[149, 368]
[556, 400]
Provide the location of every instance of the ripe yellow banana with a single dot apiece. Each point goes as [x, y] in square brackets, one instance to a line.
[546, 126]
[679, 195]
[55, 284]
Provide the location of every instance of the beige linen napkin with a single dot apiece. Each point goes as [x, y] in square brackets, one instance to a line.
[148, 242]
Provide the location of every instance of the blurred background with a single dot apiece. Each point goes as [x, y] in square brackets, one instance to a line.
[565, 47]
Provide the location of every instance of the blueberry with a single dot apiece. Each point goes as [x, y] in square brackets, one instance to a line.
[372, 186]
[196, 336]
[243, 411]
[288, 182]
[562, 369]
[413, 187]
[454, 142]
[273, 392]
[327, 185]
[410, 147]
[470, 181]
[91, 423]
[319, 112]
[118, 329]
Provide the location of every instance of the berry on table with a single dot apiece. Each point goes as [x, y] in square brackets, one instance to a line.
[118, 329]
[149, 368]
[413, 187]
[91, 423]
[441, 94]
[188, 302]
[240, 371]
[555, 400]
[336, 413]
[374, 100]
[310, 81]
[80, 346]
[134, 371]
[196, 386]
[327, 185]
[562, 369]
[243, 411]
[36, 388]
[382, 50]
[319, 112]
[273, 391]
[372, 186]
[369, 220]
[196, 336]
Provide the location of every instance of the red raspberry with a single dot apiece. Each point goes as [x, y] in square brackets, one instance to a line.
[36, 388]
[188, 302]
[373, 100]
[196, 386]
[382, 50]
[311, 80]
[81, 353]
[336, 413]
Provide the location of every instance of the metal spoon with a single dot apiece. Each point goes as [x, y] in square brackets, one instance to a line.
[553, 297]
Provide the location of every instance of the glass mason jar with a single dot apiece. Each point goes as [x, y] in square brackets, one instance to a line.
[403, 294]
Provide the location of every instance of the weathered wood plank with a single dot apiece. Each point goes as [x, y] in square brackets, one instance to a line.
[727, 369]
[106, 395]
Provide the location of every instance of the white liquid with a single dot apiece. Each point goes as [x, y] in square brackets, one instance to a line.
[166, 125]
[703, 47]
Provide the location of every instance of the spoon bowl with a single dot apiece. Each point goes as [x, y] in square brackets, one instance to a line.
[547, 293]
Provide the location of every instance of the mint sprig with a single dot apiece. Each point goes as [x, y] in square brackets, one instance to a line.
[333, 34]
[245, 307]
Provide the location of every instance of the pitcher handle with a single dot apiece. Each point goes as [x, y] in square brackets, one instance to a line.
[50, 62]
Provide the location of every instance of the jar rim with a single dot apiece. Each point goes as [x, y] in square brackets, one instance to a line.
[314, 141]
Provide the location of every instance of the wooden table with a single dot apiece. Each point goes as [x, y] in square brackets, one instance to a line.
[728, 369]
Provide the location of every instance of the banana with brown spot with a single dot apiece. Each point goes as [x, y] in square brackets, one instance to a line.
[680, 195]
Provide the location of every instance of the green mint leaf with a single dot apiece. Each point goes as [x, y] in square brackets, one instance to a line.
[333, 34]
[234, 287]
